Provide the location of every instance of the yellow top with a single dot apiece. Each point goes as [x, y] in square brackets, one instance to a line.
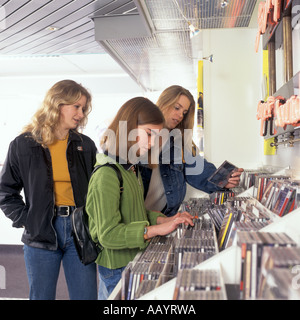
[62, 182]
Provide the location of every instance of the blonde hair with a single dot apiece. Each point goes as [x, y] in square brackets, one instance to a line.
[168, 99]
[46, 118]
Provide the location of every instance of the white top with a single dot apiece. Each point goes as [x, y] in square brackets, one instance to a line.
[156, 198]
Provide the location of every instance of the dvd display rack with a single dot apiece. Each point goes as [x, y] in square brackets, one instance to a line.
[261, 280]
[167, 259]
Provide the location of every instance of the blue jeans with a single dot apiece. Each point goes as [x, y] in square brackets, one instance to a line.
[108, 279]
[43, 267]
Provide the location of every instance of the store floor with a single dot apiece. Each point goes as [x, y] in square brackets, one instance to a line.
[13, 278]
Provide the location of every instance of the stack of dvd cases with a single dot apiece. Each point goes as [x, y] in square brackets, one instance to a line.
[239, 213]
[193, 284]
[198, 241]
[248, 177]
[279, 273]
[261, 182]
[252, 247]
[196, 206]
[217, 213]
[220, 197]
[281, 196]
[165, 255]
[153, 267]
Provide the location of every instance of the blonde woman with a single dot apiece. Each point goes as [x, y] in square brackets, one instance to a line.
[51, 162]
[165, 185]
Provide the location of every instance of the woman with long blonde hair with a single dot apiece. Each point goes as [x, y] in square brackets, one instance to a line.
[44, 126]
[165, 185]
[51, 162]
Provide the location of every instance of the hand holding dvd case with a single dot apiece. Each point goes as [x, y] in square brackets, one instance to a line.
[221, 176]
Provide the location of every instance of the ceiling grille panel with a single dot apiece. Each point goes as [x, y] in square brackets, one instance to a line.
[203, 14]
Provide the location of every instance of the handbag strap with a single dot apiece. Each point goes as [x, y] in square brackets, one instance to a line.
[113, 166]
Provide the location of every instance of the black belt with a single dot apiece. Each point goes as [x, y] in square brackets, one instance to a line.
[63, 211]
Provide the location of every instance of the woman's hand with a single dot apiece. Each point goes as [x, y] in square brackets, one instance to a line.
[234, 180]
[166, 225]
[185, 215]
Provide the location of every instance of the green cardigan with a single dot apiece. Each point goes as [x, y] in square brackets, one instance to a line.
[119, 228]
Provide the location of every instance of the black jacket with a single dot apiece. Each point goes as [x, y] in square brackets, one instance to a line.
[28, 167]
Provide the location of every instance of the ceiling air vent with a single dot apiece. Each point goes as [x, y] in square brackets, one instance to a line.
[125, 21]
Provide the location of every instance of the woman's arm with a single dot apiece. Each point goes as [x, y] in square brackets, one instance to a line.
[114, 229]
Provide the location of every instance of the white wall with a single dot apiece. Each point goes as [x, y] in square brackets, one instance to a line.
[232, 88]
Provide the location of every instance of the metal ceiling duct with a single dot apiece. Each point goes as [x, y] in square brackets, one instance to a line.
[163, 52]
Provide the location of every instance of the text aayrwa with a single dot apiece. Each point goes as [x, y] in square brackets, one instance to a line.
[157, 309]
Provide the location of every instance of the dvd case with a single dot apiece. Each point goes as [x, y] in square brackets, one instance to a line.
[221, 176]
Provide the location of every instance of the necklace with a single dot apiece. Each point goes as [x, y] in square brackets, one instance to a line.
[65, 138]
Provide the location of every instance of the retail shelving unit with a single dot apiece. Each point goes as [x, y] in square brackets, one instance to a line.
[228, 261]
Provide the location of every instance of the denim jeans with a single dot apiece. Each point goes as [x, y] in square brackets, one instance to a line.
[108, 279]
[43, 267]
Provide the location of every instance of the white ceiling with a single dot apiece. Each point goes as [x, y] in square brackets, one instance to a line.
[29, 49]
